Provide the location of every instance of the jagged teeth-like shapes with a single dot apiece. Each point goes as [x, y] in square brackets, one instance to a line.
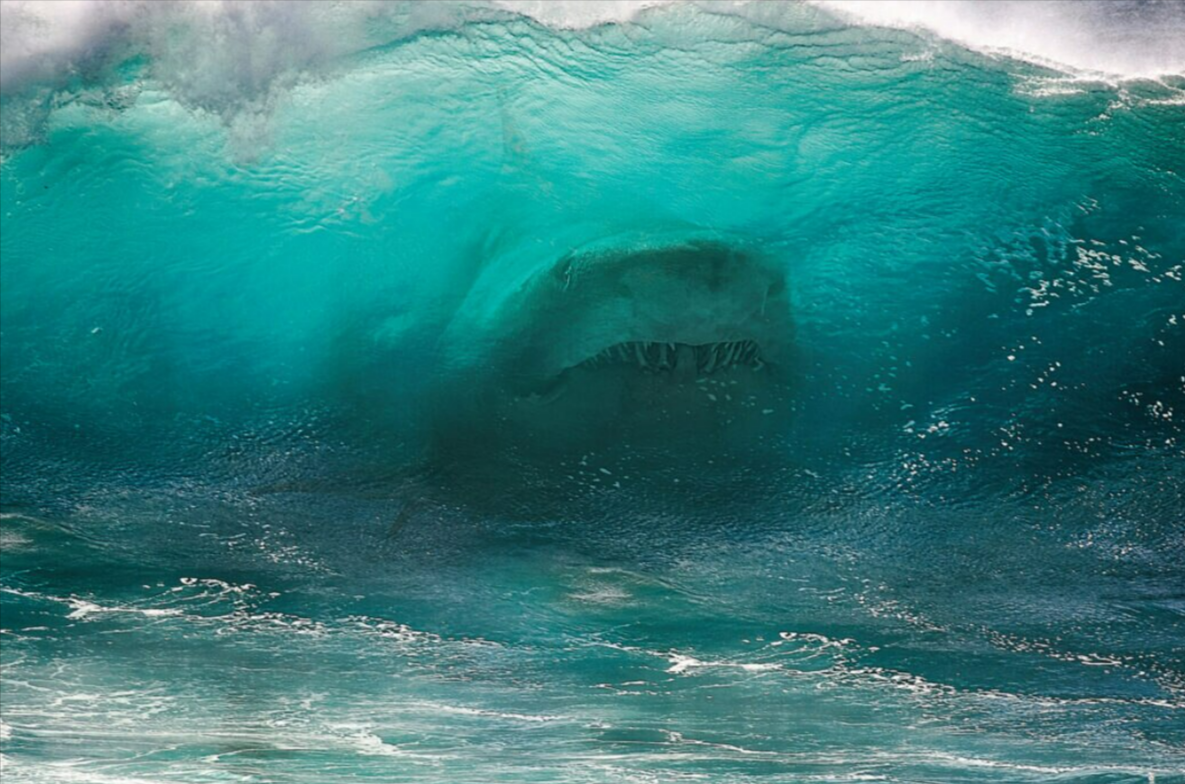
[713, 357]
[654, 356]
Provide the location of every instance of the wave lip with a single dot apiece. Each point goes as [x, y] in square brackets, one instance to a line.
[1125, 38]
[210, 47]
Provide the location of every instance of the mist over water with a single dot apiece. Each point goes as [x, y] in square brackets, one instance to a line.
[592, 392]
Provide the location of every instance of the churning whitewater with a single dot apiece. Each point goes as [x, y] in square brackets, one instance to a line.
[592, 392]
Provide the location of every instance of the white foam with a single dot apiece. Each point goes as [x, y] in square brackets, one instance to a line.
[82, 608]
[579, 14]
[221, 54]
[216, 54]
[1106, 36]
[681, 663]
[40, 39]
[10, 540]
[436, 707]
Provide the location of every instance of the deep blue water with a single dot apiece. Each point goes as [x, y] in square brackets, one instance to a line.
[302, 481]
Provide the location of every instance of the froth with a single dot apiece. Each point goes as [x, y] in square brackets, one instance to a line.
[216, 53]
[1129, 38]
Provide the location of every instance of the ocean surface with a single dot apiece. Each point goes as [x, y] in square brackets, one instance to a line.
[592, 393]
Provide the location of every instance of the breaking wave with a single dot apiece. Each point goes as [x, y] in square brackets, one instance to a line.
[935, 535]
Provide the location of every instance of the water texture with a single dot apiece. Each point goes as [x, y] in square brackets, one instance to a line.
[729, 393]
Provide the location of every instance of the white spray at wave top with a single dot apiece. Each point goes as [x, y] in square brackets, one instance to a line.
[1122, 37]
[239, 46]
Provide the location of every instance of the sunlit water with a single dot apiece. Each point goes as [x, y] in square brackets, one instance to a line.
[232, 550]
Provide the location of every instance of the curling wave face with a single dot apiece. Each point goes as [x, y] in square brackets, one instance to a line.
[611, 394]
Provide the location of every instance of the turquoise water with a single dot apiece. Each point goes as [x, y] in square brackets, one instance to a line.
[302, 481]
